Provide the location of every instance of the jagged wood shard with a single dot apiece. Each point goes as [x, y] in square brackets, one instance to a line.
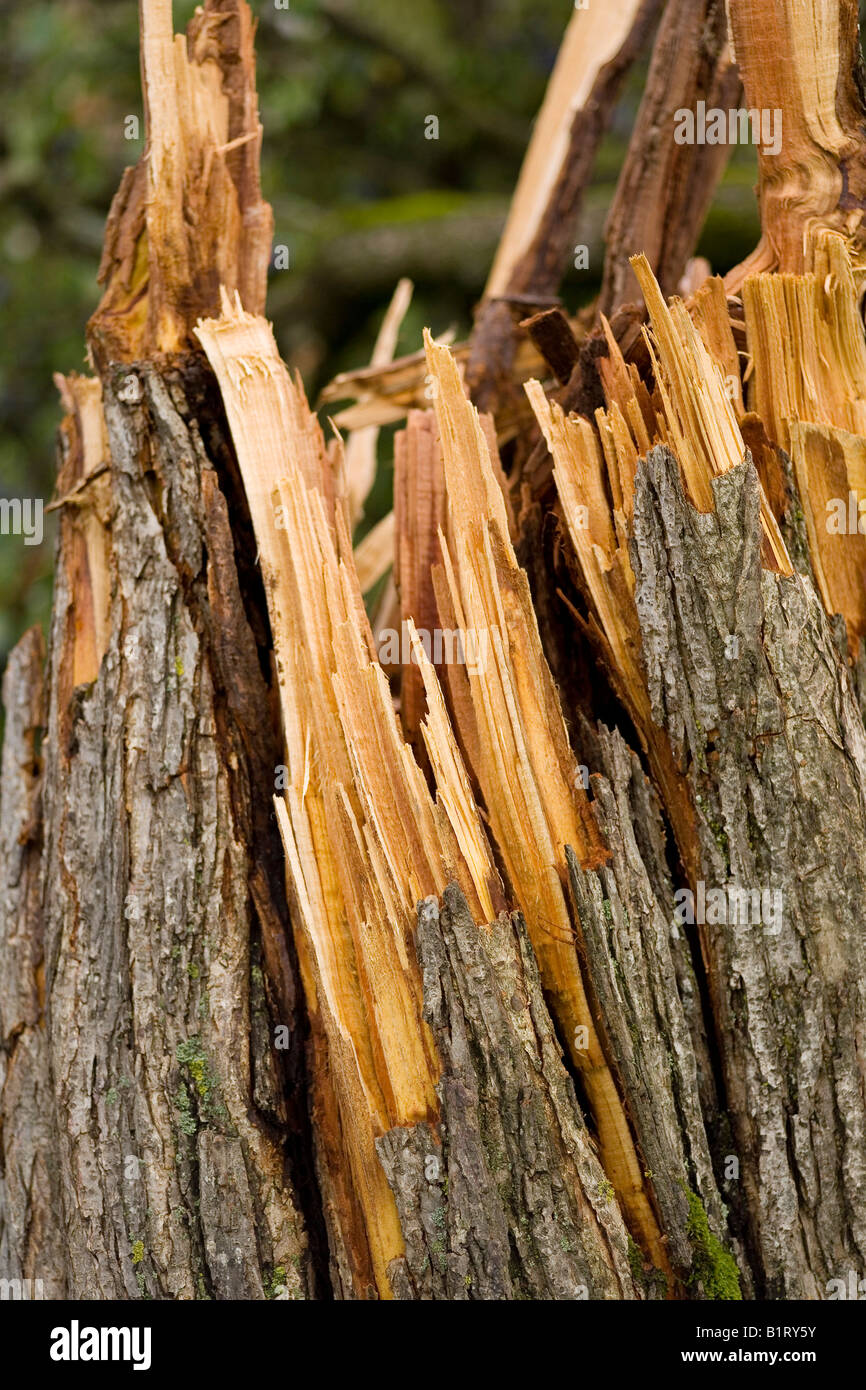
[189, 217]
[521, 758]
[363, 837]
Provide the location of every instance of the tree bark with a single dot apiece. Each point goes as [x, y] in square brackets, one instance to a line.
[307, 992]
[765, 734]
[163, 923]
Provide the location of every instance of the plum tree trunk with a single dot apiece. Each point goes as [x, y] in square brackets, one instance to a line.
[208, 996]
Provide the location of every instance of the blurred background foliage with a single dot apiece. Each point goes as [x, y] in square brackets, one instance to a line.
[360, 196]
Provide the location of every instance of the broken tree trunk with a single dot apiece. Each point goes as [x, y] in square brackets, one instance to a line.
[345, 959]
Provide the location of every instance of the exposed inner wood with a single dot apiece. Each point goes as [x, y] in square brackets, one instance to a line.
[594, 37]
[82, 495]
[805, 336]
[815, 173]
[361, 446]
[364, 839]
[512, 730]
[597, 51]
[374, 555]
[585, 467]
[189, 217]
[700, 422]
[384, 395]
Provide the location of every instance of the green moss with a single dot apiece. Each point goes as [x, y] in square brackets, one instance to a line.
[210, 1108]
[437, 1245]
[714, 1270]
[112, 1097]
[187, 1122]
[192, 970]
[718, 832]
[137, 1251]
[275, 1281]
[653, 1282]
[191, 1055]
[606, 1190]
[495, 1155]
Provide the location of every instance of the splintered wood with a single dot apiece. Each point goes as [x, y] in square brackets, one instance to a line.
[594, 36]
[805, 334]
[361, 445]
[82, 494]
[510, 725]
[364, 839]
[582, 468]
[476, 776]
[693, 413]
[189, 216]
[492, 974]
[802, 63]
[419, 514]
[699, 421]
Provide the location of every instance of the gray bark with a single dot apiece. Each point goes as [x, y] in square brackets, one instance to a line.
[772, 739]
[504, 1198]
[155, 1068]
[31, 1241]
[640, 977]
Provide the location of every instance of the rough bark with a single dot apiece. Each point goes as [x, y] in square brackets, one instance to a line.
[640, 975]
[176, 1121]
[31, 1240]
[773, 741]
[166, 966]
[504, 1198]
